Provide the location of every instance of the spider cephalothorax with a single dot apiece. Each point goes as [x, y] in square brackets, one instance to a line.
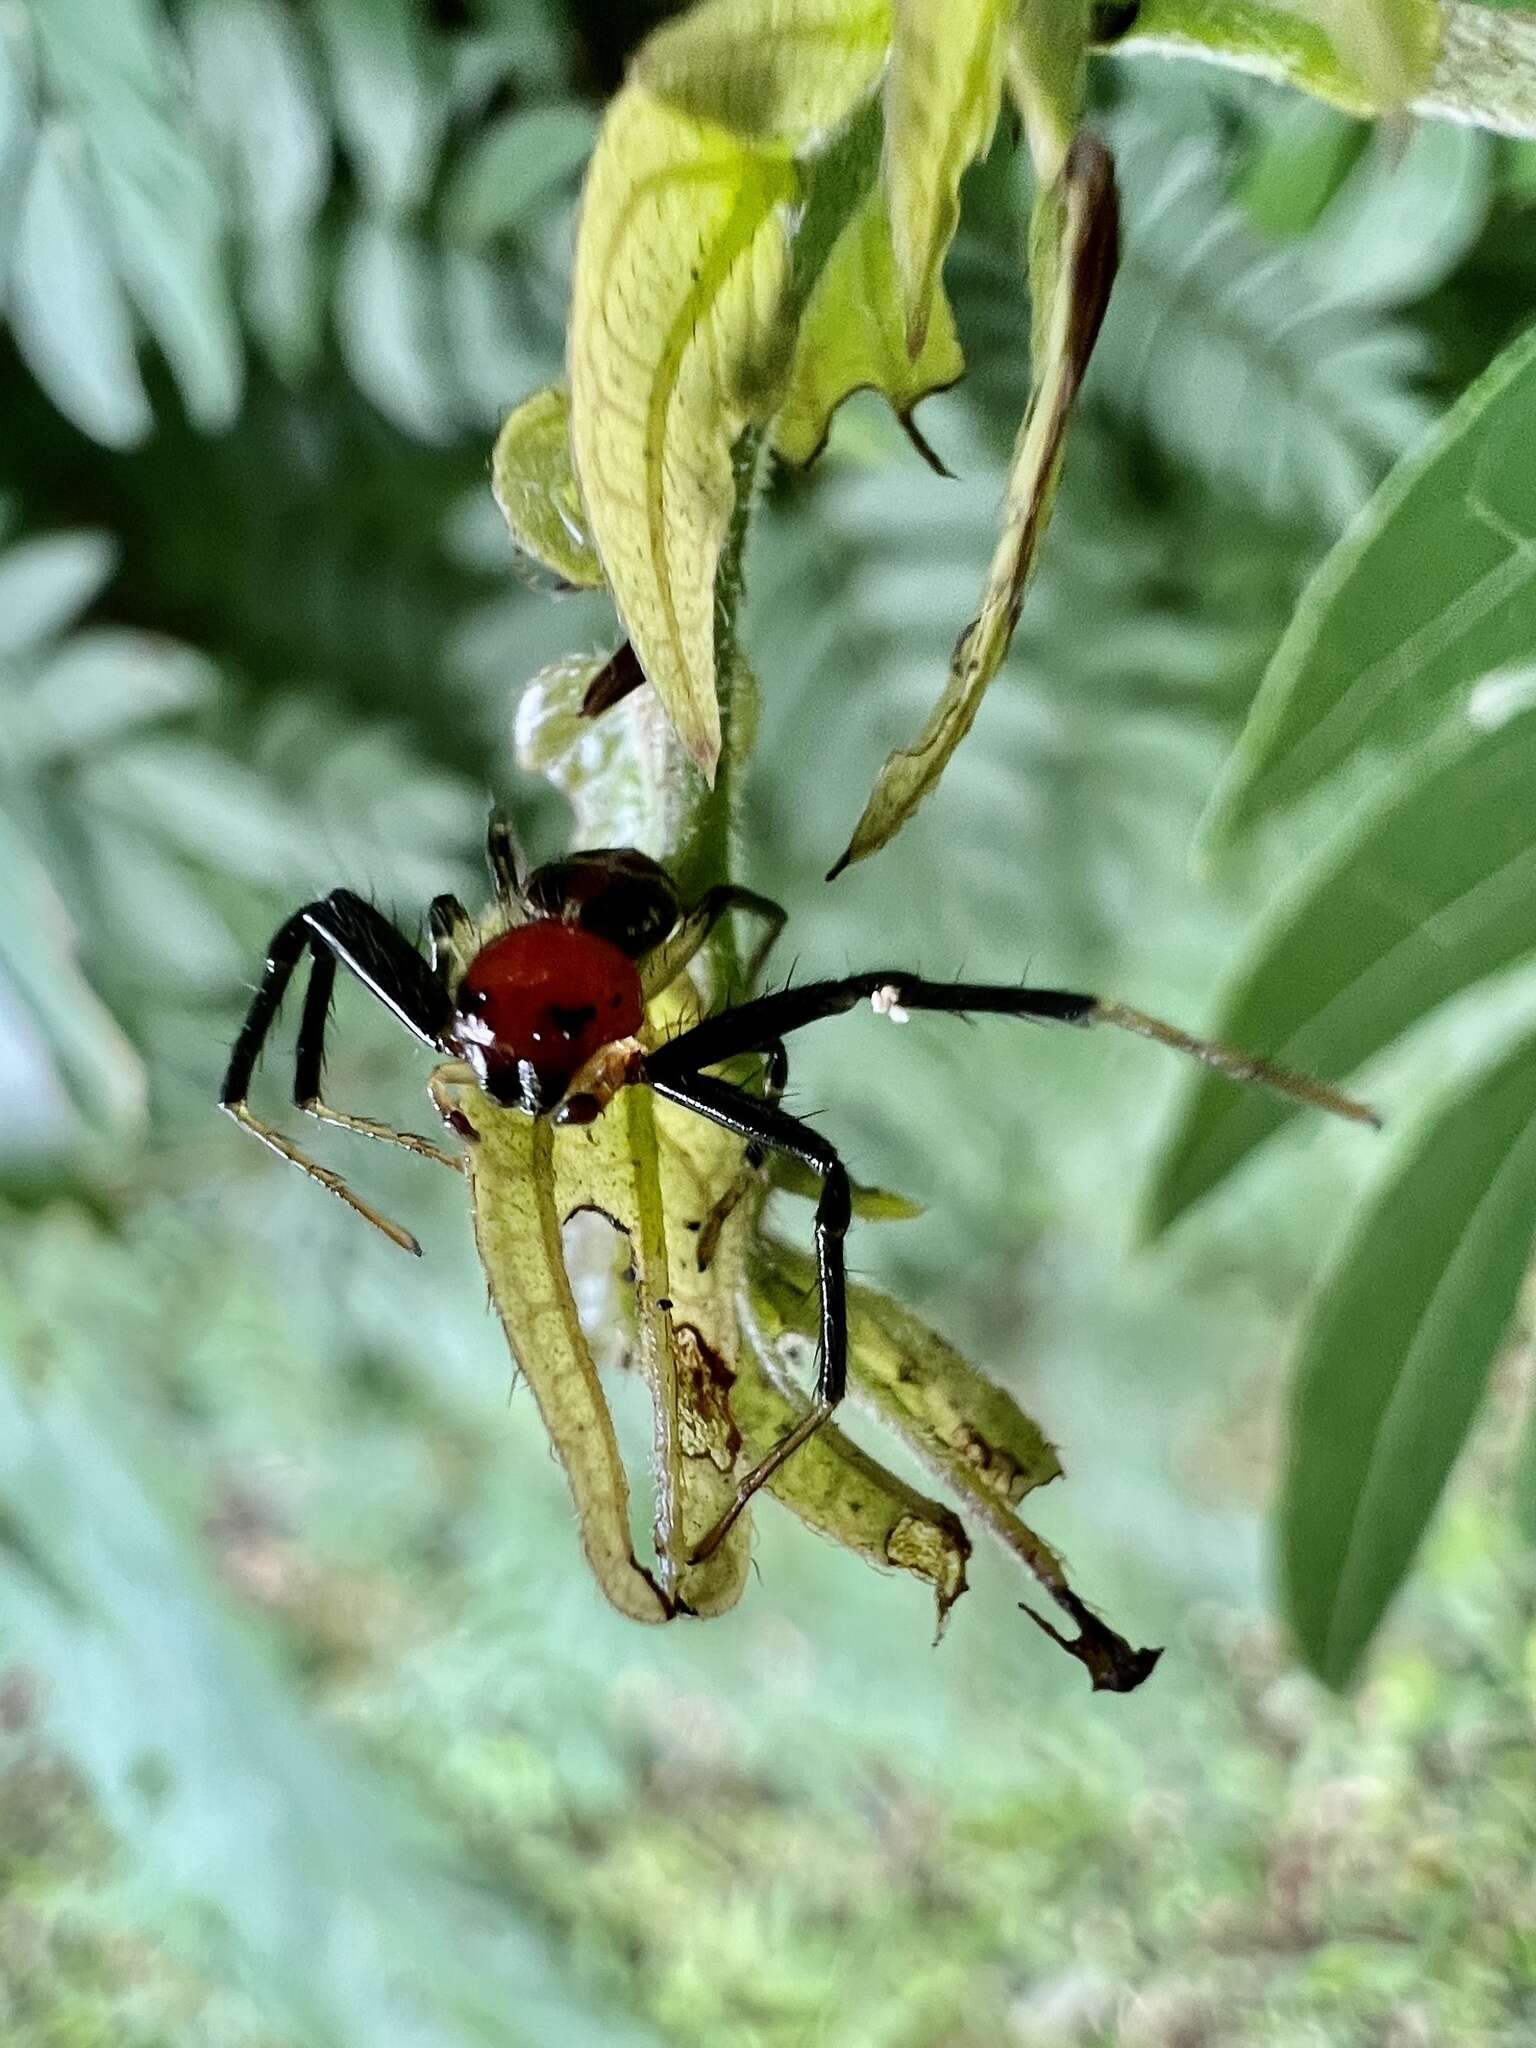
[543, 999]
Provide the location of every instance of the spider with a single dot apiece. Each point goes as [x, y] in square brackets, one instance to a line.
[544, 999]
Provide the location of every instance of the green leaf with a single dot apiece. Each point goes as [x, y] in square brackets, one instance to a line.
[68, 311]
[678, 343]
[1366, 56]
[46, 583]
[390, 97]
[1430, 890]
[1210, 323]
[255, 82]
[1046, 75]
[941, 101]
[101, 1071]
[1395, 1357]
[535, 486]
[1434, 586]
[785, 71]
[512, 166]
[852, 337]
[103, 682]
[167, 231]
[105, 1587]
[1081, 215]
[1406, 217]
[386, 309]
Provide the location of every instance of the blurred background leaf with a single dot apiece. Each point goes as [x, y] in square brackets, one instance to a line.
[356, 1728]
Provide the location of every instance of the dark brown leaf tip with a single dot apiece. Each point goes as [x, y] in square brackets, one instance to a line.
[1112, 1665]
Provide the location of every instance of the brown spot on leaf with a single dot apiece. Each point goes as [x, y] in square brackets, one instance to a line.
[704, 1381]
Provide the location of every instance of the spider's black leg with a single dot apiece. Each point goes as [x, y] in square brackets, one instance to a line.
[309, 1063]
[504, 857]
[752, 1026]
[766, 1126]
[775, 1080]
[342, 927]
[664, 963]
[450, 939]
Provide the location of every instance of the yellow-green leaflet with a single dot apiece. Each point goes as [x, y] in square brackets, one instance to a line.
[773, 70]
[942, 94]
[679, 340]
[517, 1230]
[853, 337]
[1046, 64]
[1076, 240]
[616, 1166]
[833, 1486]
[535, 486]
[527, 1178]
[1366, 56]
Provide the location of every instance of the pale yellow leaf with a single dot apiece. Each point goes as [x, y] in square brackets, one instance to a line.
[853, 338]
[789, 71]
[679, 341]
[942, 93]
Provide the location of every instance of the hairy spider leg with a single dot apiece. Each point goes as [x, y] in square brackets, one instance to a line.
[775, 1081]
[765, 1125]
[309, 1061]
[504, 857]
[673, 1070]
[450, 939]
[341, 927]
[664, 963]
[751, 1026]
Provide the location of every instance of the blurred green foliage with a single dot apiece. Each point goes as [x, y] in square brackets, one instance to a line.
[312, 1729]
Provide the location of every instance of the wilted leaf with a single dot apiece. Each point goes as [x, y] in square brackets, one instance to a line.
[970, 1434]
[510, 1160]
[833, 1486]
[941, 100]
[1396, 1354]
[785, 71]
[678, 343]
[1085, 216]
[852, 337]
[535, 487]
[1428, 892]
[1434, 586]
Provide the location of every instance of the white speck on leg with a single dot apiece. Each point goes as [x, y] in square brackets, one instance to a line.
[886, 1002]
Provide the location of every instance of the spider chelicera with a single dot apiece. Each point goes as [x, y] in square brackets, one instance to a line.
[544, 997]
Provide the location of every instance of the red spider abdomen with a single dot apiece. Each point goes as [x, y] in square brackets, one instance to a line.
[549, 995]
